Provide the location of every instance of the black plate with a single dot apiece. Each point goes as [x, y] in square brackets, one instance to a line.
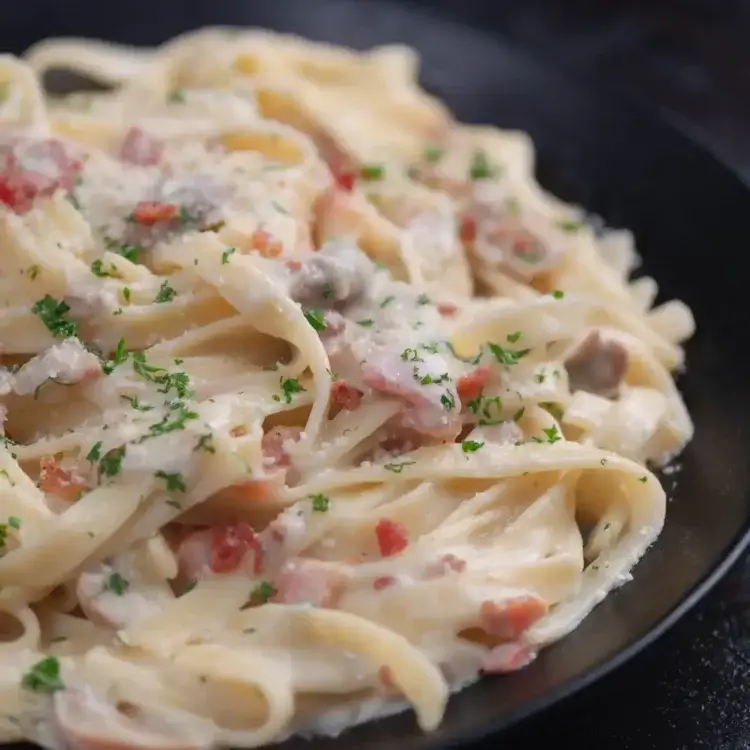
[691, 217]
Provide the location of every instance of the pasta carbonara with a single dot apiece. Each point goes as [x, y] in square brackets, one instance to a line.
[316, 405]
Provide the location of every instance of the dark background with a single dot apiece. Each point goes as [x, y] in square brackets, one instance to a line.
[690, 58]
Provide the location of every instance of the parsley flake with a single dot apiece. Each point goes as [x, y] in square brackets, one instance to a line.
[316, 320]
[289, 386]
[116, 584]
[481, 168]
[433, 154]
[206, 443]
[44, 677]
[471, 446]
[165, 294]
[226, 254]
[397, 468]
[507, 356]
[111, 463]
[372, 172]
[263, 592]
[557, 294]
[52, 313]
[366, 323]
[95, 453]
[174, 481]
[320, 502]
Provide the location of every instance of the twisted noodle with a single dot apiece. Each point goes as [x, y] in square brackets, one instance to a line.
[392, 421]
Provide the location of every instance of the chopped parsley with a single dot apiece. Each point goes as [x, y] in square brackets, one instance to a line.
[481, 168]
[387, 301]
[571, 225]
[320, 502]
[263, 592]
[372, 172]
[14, 523]
[366, 323]
[121, 355]
[136, 404]
[423, 299]
[279, 208]
[34, 271]
[165, 294]
[98, 269]
[448, 401]
[519, 414]
[507, 356]
[95, 453]
[327, 290]
[411, 355]
[129, 252]
[226, 254]
[126, 294]
[116, 584]
[643, 479]
[177, 96]
[316, 320]
[52, 313]
[511, 338]
[174, 480]
[111, 463]
[433, 154]
[206, 443]
[557, 294]
[173, 421]
[552, 435]
[471, 446]
[289, 386]
[44, 677]
[397, 468]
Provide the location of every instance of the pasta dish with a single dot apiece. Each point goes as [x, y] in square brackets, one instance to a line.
[316, 405]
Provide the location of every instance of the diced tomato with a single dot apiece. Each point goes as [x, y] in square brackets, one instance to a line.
[447, 309]
[383, 582]
[229, 545]
[273, 442]
[471, 385]
[63, 483]
[467, 231]
[140, 148]
[345, 396]
[149, 213]
[444, 565]
[305, 580]
[510, 618]
[507, 657]
[265, 244]
[392, 536]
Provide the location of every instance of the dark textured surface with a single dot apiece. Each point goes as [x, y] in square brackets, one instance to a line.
[691, 689]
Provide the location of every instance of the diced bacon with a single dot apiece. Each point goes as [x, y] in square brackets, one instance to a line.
[65, 484]
[392, 537]
[467, 231]
[272, 445]
[345, 396]
[345, 180]
[471, 385]
[383, 582]
[265, 244]
[149, 213]
[33, 169]
[385, 676]
[229, 545]
[257, 489]
[446, 564]
[510, 618]
[239, 431]
[447, 309]
[140, 148]
[305, 580]
[507, 657]
[294, 265]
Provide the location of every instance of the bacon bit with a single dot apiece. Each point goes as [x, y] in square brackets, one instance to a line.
[447, 309]
[240, 431]
[385, 675]
[445, 564]
[140, 148]
[229, 545]
[393, 537]
[507, 657]
[509, 619]
[265, 244]
[272, 445]
[345, 180]
[471, 385]
[345, 396]
[149, 213]
[305, 580]
[63, 483]
[294, 265]
[251, 490]
[467, 231]
[383, 582]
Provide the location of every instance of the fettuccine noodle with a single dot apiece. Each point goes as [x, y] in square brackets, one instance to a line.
[316, 405]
